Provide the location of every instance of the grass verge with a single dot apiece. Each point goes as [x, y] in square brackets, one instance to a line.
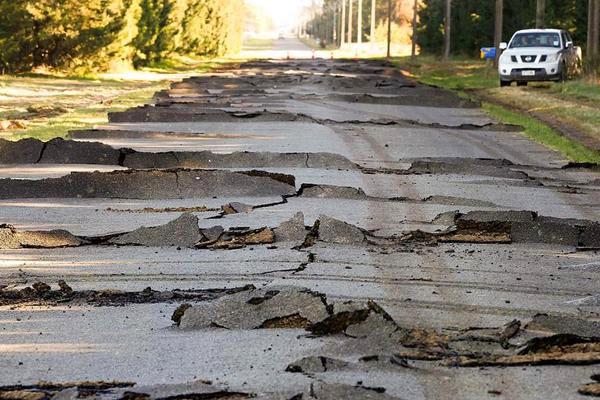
[48, 106]
[542, 133]
[573, 105]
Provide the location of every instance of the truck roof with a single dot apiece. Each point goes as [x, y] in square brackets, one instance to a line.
[539, 30]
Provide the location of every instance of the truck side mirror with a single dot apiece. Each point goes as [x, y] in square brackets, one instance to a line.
[569, 44]
[503, 46]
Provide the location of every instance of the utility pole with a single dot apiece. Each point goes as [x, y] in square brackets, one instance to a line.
[350, 21]
[360, 22]
[447, 29]
[540, 14]
[413, 51]
[595, 29]
[373, 19]
[343, 31]
[389, 30]
[498, 29]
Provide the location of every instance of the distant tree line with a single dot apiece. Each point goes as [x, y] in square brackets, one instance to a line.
[473, 22]
[95, 35]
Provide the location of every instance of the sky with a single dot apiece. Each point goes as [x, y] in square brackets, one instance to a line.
[285, 13]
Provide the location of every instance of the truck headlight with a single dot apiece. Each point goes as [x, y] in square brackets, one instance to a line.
[553, 57]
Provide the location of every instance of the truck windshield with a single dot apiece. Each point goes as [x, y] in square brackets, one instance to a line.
[535, 39]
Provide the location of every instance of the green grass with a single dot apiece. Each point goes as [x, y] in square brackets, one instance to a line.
[542, 133]
[85, 117]
[579, 89]
[574, 103]
[258, 44]
[84, 102]
[457, 74]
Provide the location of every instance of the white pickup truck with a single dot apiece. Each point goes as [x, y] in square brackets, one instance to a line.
[539, 55]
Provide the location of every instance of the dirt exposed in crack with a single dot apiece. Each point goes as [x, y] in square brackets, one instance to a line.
[591, 389]
[198, 390]
[503, 227]
[41, 293]
[152, 210]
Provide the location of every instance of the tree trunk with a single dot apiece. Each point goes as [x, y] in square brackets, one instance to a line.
[335, 26]
[596, 29]
[389, 30]
[498, 28]
[373, 19]
[350, 21]
[540, 14]
[343, 30]
[447, 28]
[413, 51]
[359, 32]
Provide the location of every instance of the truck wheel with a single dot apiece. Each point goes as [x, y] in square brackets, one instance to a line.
[504, 83]
[563, 73]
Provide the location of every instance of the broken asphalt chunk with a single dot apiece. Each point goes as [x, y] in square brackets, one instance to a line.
[26, 151]
[315, 365]
[236, 208]
[60, 151]
[347, 314]
[150, 184]
[563, 349]
[183, 231]
[292, 230]
[69, 390]
[10, 238]
[276, 307]
[553, 324]
[499, 168]
[521, 227]
[206, 159]
[332, 391]
[332, 230]
[332, 192]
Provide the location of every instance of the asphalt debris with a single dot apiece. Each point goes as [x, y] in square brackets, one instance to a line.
[42, 293]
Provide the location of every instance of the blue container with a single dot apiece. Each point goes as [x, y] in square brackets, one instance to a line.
[488, 53]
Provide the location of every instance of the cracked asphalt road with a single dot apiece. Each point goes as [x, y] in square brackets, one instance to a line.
[309, 230]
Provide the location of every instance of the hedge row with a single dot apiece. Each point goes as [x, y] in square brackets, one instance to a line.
[98, 35]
